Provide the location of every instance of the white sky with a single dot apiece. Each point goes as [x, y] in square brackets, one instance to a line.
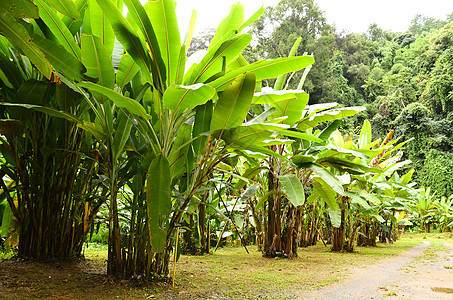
[350, 15]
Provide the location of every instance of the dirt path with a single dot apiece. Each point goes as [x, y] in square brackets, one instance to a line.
[422, 272]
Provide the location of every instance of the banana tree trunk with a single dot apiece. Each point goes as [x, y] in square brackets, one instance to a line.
[273, 235]
[202, 224]
[115, 261]
[339, 234]
[259, 235]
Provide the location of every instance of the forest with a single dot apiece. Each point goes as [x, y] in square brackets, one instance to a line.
[273, 130]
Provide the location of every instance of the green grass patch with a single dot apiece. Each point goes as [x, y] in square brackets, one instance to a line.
[431, 252]
[228, 273]
[231, 272]
[444, 236]
[7, 255]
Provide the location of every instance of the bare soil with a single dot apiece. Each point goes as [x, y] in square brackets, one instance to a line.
[423, 272]
[20, 279]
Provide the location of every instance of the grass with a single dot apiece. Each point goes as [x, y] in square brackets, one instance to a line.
[444, 236]
[228, 273]
[391, 293]
[231, 272]
[437, 245]
[6, 255]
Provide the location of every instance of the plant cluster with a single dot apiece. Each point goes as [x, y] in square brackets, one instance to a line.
[109, 126]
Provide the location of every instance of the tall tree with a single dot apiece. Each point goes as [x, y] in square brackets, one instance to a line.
[278, 29]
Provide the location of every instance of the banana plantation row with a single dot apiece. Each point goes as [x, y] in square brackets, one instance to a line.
[104, 111]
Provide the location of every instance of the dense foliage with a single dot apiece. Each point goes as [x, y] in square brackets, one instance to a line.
[114, 126]
[403, 78]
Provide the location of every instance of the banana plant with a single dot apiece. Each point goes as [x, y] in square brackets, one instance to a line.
[445, 213]
[372, 190]
[425, 207]
[288, 109]
[50, 160]
[188, 116]
[60, 47]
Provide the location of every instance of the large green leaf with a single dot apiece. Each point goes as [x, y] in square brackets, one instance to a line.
[252, 150]
[99, 65]
[312, 121]
[262, 134]
[5, 229]
[261, 118]
[20, 8]
[239, 62]
[67, 99]
[315, 108]
[299, 135]
[47, 110]
[100, 26]
[357, 199]
[389, 170]
[291, 108]
[97, 60]
[122, 133]
[190, 31]
[234, 103]
[326, 194]
[328, 178]
[303, 161]
[338, 150]
[251, 19]
[162, 15]
[407, 177]
[120, 100]
[33, 91]
[74, 25]
[370, 197]
[229, 25]
[282, 78]
[248, 174]
[9, 73]
[19, 36]
[326, 132]
[246, 135]
[346, 164]
[94, 129]
[203, 115]
[143, 22]
[274, 96]
[158, 201]
[58, 28]
[365, 135]
[180, 97]
[127, 69]
[126, 35]
[293, 189]
[335, 217]
[185, 46]
[213, 62]
[378, 218]
[66, 7]
[63, 61]
[304, 76]
[265, 69]
[178, 156]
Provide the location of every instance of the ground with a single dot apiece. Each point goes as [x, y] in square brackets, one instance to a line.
[423, 272]
[411, 268]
